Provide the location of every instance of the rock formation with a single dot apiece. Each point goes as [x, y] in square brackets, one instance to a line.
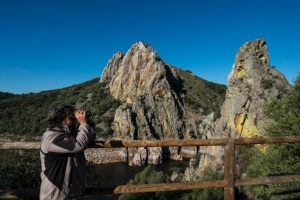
[252, 83]
[151, 107]
[153, 104]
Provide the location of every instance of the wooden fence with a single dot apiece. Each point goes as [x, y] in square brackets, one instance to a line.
[228, 183]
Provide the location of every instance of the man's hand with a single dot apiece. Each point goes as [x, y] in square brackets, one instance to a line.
[81, 116]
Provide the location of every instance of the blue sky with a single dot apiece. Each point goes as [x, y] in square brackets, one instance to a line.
[52, 44]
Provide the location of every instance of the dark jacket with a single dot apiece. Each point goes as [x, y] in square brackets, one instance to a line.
[63, 162]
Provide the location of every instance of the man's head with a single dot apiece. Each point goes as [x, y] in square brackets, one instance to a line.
[61, 115]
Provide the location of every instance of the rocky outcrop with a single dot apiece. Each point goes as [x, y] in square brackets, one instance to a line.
[252, 83]
[151, 107]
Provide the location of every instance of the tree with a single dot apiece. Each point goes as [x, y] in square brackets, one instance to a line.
[19, 169]
[279, 159]
[149, 176]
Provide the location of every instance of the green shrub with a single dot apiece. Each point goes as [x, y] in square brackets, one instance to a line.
[279, 159]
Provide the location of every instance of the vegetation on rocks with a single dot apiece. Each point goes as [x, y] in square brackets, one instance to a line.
[25, 114]
[202, 96]
[279, 159]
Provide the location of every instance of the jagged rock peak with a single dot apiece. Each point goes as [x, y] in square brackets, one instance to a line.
[140, 45]
[152, 105]
[251, 86]
[139, 73]
[252, 55]
[252, 83]
[111, 68]
[151, 108]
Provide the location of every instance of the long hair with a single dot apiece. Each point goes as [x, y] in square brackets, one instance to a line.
[57, 114]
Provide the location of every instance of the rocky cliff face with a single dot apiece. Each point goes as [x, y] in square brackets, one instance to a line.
[151, 106]
[252, 83]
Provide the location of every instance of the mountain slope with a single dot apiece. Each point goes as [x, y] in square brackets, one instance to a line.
[25, 114]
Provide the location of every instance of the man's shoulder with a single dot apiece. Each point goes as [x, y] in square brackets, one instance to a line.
[51, 134]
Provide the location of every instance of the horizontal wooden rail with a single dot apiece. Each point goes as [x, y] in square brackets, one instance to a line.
[19, 145]
[123, 143]
[267, 180]
[269, 140]
[163, 187]
[159, 143]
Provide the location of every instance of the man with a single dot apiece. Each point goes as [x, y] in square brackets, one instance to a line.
[62, 154]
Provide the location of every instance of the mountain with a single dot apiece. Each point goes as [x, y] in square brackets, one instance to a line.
[5, 95]
[24, 115]
[154, 96]
[157, 100]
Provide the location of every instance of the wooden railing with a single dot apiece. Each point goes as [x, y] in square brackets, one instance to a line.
[228, 183]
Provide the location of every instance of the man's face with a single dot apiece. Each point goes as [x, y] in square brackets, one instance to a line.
[70, 120]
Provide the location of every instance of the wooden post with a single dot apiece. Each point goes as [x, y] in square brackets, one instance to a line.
[229, 169]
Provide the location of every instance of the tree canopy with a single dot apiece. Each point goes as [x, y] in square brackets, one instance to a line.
[279, 159]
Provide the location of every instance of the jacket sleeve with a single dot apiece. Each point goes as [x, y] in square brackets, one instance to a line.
[67, 143]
